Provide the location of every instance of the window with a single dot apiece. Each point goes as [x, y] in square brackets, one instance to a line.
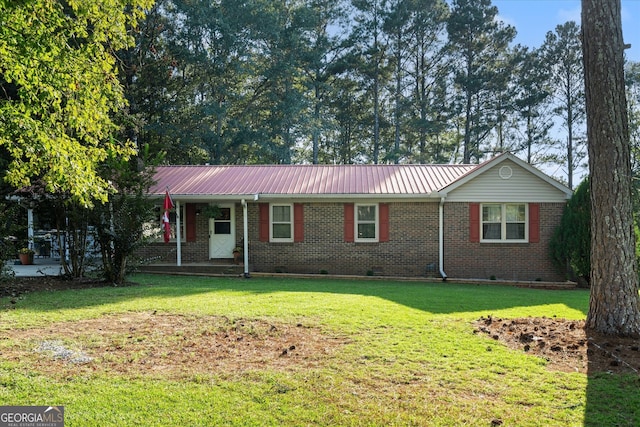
[504, 222]
[222, 221]
[281, 223]
[366, 219]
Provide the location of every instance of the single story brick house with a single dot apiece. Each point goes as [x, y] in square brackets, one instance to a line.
[492, 220]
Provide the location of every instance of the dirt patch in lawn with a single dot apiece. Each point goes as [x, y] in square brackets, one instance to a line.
[158, 344]
[168, 345]
[564, 344]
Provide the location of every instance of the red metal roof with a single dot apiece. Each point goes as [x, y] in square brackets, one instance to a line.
[306, 180]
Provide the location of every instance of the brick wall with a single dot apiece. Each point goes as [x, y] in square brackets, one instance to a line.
[412, 249]
[509, 261]
[412, 245]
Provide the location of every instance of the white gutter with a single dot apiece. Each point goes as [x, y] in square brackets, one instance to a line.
[441, 239]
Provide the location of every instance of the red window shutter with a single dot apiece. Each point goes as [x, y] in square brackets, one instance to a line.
[384, 222]
[474, 222]
[298, 222]
[534, 223]
[348, 222]
[264, 222]
[190, 221]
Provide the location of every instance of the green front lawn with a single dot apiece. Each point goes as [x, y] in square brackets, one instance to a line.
[404, 354]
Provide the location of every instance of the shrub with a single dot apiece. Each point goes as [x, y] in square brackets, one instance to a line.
[570, 244]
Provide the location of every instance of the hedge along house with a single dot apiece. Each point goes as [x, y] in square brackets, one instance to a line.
[492, 220]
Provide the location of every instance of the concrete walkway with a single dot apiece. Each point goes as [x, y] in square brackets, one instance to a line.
[40, 267]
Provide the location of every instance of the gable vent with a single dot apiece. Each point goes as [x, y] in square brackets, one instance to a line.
[505, 172]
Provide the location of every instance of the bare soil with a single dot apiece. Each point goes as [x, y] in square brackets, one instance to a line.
[565, 344]
[168, 345]
[159, 344]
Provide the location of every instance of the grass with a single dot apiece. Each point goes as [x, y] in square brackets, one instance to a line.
[411, 359]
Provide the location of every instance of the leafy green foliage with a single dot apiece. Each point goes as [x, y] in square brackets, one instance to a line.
[562, 52]
[570, 244]
[480, 44]
[10, 214]
[58, 90]
[119, 223]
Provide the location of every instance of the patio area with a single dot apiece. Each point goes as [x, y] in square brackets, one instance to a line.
[40, 267]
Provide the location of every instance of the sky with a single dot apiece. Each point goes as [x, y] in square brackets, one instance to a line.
[534, 18]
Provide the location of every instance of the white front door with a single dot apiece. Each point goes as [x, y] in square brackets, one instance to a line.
[222, 233]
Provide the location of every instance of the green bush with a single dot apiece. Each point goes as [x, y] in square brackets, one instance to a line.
[571, 242]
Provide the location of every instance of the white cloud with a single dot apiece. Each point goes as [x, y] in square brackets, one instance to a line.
[565, 15]
[505, 20]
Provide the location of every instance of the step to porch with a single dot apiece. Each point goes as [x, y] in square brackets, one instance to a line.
[224, 268]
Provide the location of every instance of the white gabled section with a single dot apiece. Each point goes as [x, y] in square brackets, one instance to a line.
[506, 179]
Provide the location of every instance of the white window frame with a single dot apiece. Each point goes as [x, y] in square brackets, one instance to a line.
[357, 222]
[272, 223]
[158, 237]
[503, 223]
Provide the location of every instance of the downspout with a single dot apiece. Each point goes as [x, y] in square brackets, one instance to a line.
[245, 237]
[441, 239]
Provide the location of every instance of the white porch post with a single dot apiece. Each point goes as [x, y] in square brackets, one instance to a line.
[30, 228]
[178, 236]
[245, 237]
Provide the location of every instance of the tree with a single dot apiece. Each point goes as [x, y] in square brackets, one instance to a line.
[632, 76]
[374, 65]
[563, 55]
[614, 304]
[479, 42]
[58, 90]
[428, 80]
[119, 223]
[571, 242]
[532, 102]
[323, 61]
[185, 77]
[416, 30]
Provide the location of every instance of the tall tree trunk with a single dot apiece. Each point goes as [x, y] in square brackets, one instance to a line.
[570, 141]
[614, 306]
[466, 153]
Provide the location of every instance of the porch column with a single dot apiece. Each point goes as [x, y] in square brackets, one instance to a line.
[30, 228]
[178, 236]
[245, 237]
